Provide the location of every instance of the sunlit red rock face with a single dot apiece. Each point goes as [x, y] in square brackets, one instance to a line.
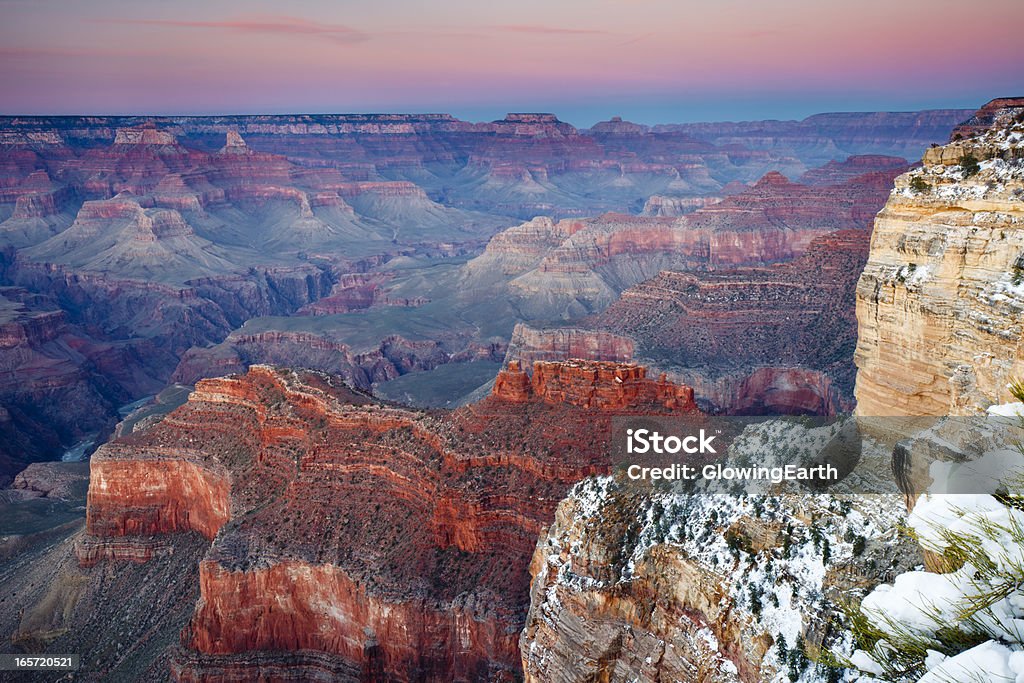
[357, 540]
[591, 384]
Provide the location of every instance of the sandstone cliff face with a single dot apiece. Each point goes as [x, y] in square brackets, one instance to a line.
[281, 468]
[939, 304]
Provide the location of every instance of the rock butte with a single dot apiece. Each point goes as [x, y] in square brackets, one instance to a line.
[399, 541]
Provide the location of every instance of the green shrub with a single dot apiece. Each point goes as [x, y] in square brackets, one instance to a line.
[919, 185]
[969, 164]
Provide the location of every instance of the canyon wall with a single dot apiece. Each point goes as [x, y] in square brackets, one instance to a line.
[552, 270]
[751, 305]
[939, 304]
[58, 384]
[627, 583]
[399, 541]
[766, 340]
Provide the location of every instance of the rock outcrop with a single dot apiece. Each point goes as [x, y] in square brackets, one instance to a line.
[998, 113]
[281, 469]
[631, 583]
[591, 384]
[939, 304]
[750, 304]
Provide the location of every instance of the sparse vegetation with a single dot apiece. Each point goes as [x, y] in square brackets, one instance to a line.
[969, 165]
[899, 644]
[1017, 389]
[919, 185]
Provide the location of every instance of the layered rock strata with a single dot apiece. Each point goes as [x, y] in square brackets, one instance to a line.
[565, 269]
[280, 469]
[939, 304]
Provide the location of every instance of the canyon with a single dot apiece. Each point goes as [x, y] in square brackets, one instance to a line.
[285, 523]
[378, 246]
[277, 470]
[590, 273]
[644, 583]
[770, 335]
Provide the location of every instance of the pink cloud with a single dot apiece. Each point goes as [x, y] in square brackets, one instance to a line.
[548, 30]
[266, 25]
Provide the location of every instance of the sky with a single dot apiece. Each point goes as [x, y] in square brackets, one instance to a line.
[649, 61]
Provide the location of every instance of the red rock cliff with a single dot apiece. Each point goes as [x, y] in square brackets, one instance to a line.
[592, 384]
[371, 542]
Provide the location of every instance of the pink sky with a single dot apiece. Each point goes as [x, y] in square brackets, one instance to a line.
[646, 60]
